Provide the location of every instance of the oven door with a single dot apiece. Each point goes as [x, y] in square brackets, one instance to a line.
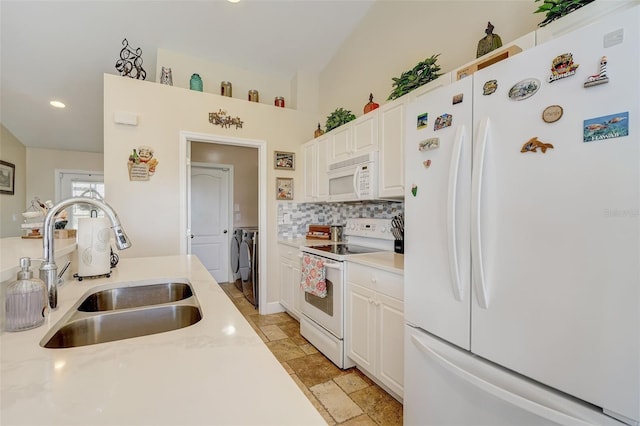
[328, 312]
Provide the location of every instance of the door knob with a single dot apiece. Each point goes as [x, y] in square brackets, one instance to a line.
[192, 236]
[224, 232]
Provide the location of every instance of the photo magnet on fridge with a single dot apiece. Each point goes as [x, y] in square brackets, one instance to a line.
[606, 127]
[422, 120]
[443, 121]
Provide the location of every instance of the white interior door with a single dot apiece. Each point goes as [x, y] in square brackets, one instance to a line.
[210, 219]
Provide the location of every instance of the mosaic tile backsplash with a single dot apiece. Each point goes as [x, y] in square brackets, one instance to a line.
[294, 218]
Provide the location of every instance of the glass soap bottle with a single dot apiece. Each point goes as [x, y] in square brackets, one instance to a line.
[26, 300]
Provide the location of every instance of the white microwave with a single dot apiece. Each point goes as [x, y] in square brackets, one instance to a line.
[354, 179]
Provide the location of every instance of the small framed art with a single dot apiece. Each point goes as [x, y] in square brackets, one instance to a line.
[284, 160]
[7, 178]
[284, 188]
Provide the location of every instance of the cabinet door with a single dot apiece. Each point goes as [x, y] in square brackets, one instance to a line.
[340, 146]
[322, 164]
[361, 326]
[310, 171]
[285, 280]
[390, 365]
[391, 158]
[365, 133]
[296, 291]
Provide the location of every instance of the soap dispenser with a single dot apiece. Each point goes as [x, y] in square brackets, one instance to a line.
[26, 300]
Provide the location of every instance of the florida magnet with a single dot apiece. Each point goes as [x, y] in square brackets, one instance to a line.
[533, 144]
[562, 67]
[524, 89]
[599, 78]
[489, 87]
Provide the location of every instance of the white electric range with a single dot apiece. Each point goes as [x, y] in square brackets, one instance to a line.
[323, 318]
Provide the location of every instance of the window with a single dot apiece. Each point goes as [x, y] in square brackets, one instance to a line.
[74, 183]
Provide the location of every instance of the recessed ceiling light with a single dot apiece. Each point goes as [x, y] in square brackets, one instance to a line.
[233, 1]
[57, 104]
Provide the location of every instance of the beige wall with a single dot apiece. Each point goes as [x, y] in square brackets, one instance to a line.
[396, 34]
[42, 164]
[11, 206]
[150, 210]
[245, 176]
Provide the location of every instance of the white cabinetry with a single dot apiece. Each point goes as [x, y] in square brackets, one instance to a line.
[375, 324]
[391, 158]
[315, 155]
[356, 137]
[290, 293]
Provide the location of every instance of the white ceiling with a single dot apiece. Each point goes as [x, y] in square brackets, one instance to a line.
[61, 49]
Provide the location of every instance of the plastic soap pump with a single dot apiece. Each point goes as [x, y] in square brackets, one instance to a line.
[26, 300]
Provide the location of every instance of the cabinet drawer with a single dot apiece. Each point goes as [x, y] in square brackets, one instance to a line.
[289, 252]
[382, 281]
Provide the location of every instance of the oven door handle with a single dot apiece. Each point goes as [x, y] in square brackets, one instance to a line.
[334, 265]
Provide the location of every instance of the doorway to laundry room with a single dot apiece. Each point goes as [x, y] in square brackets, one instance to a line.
[223, 194]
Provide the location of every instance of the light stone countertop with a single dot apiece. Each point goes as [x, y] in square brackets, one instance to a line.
[387, 260]
[217, 371]
[301, 242]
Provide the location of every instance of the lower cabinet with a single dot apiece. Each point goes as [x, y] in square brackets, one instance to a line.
[375, 324]
[289, 267]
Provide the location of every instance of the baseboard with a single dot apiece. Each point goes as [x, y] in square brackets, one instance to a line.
[271, 308]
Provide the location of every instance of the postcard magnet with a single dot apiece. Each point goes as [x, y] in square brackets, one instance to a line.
[427, 144]
[599, 78]
[422, 120]
[606, 127]
[443, 121]
[533, 144]
[562, 67]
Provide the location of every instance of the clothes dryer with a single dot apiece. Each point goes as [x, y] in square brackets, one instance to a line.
[249, 275]
[234, 257]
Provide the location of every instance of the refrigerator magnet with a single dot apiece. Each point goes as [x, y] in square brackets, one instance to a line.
[524, 89]
[552, 113]
[606, 127]
[443, 121]
[599, 78]
[426, 164]
[533, 144]
[414, 189]
[489, 87]
[422, 120]
[562, 67]
[457, 98]
[427, 144]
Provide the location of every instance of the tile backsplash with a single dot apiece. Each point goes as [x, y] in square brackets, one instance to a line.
[293, 218]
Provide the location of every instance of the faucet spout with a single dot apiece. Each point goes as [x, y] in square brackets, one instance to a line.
[48, 268]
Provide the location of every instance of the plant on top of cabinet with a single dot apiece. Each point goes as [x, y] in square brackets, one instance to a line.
[422, 73]
[338, 118]
[556, 9]
[371, 105]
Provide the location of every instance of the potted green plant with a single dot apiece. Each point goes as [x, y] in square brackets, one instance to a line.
[422, 73]
[556, 9]
[338, 118]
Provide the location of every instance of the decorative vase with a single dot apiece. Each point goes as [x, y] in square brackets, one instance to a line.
[371, 105]
[195, 83]
[318, 132]
[279, 102]
[226, 89]
[254, 96]
[166, 77]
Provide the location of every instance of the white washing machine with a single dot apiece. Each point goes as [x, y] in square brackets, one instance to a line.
[249, 265]
[234, 257]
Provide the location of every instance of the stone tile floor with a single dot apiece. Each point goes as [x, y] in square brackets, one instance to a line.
[344, 397]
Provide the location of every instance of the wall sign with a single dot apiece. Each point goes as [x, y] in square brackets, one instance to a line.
[142, 165]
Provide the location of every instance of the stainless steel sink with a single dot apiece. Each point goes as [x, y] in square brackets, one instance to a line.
[133, 297]
[123, 313]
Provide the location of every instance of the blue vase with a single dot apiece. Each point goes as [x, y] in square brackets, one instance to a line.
[195, 83]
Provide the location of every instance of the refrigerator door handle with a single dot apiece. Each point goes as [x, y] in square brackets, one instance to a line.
[497, 391]
[454, 169]
[476, 219]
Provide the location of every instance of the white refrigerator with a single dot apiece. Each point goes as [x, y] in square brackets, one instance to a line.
[522, 238]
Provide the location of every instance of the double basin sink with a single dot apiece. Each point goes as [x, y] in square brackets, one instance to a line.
[125, 312]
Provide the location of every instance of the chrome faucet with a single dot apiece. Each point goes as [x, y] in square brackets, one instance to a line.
[48, 268]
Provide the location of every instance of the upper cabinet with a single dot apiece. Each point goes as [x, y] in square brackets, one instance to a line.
[391, 140]
[356, 137]
[315, 155]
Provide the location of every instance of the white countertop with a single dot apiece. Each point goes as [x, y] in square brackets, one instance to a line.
[216, 371]
[12, 249]
[387, 260]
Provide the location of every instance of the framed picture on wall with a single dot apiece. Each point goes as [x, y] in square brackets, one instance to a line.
[284, 160]
[284, 188]
[7, 178]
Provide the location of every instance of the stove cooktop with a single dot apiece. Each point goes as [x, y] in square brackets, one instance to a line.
[340, 250]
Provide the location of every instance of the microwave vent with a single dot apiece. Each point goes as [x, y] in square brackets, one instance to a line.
[350, 162]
